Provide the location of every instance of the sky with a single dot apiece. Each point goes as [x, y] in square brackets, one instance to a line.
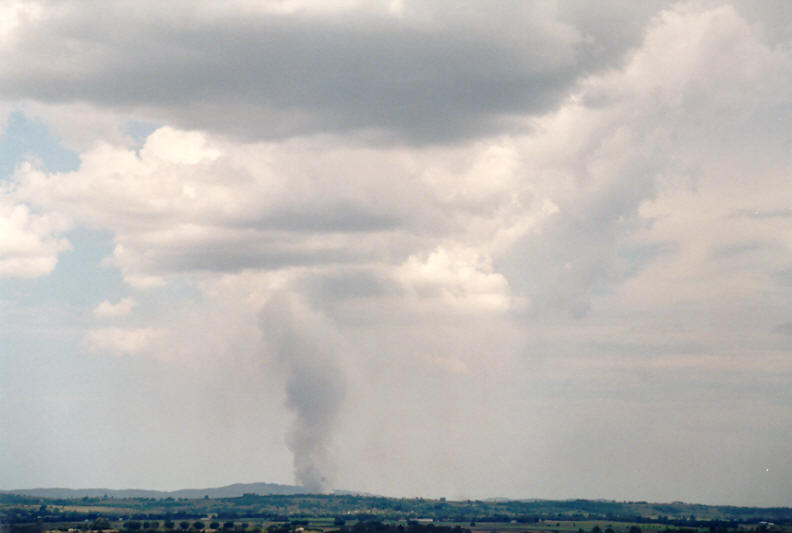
[465, 249]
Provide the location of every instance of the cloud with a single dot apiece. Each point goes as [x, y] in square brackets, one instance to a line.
[183, 205]
[601, 157]
[107, 309]
[421, 73]
[763, 214]
[221, 207]
[458, 278]
[29, 242]
[121, 341]
[14, 14]
[546, 215]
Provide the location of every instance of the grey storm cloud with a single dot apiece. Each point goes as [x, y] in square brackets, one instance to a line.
[267, 252]
[571, 258]
[449, 71]
[266, 243]
[332, 218]
[739, 248]
[350, 283]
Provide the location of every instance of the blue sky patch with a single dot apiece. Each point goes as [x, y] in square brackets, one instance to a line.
[24, 138]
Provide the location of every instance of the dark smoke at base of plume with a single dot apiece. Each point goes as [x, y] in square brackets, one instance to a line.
[306, 348]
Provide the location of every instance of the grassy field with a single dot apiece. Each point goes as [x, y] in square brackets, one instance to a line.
[326, 524]
[324, 513]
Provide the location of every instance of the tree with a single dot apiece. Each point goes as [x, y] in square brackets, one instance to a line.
[100, 524]
[25, 528]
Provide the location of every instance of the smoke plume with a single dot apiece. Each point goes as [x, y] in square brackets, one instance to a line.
[307, 350]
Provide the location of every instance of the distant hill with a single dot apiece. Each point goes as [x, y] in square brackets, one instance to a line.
[228, 491]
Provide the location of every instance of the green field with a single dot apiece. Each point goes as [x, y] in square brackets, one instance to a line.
[287, 513]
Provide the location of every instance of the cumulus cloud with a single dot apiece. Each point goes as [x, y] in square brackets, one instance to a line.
[550, 216]
[183, 204]
[121, 341]
[603, 154]
[29, 242]
[220, 207]
[14, 14]
[458, 278]
[107, 309]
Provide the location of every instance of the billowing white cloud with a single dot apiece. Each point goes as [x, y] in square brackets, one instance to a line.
[14, 14]
[107, 309]
[121, 341]
[458, 278]
[29, 242]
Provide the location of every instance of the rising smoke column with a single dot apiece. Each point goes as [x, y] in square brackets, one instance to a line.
[307, 350]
